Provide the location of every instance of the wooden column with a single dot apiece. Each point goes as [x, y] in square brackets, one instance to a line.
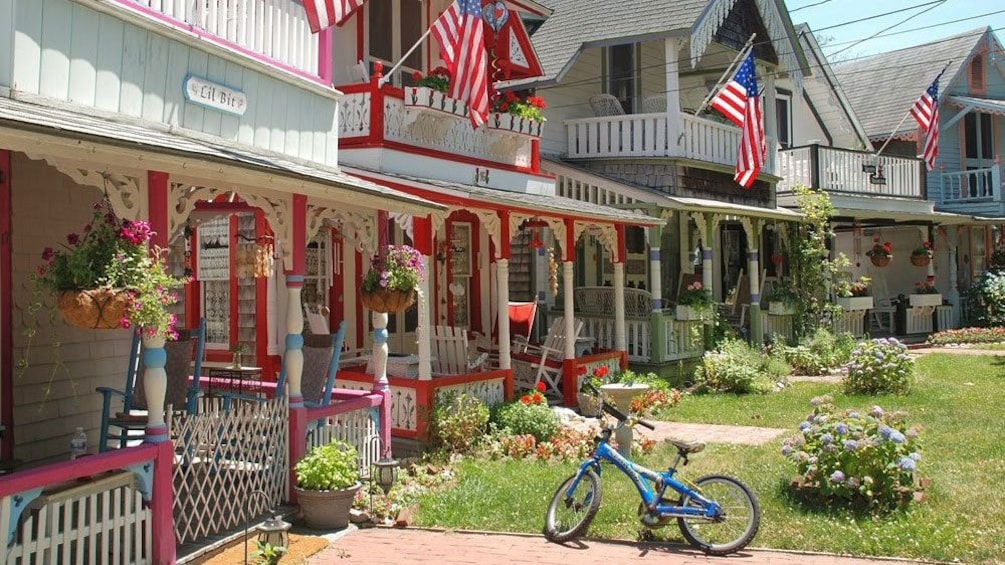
[770, 121]
[657, 323]
[379, 319]
[953, 294]
[619, 290]
[671, 46]
[502, 291]
[154, 355]
[752, 228]
[422, 231]
[569, 308]
[6, 309]
[293, 359]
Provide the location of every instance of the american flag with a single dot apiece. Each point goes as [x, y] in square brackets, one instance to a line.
[740, 102]
[322, 14]
[460, 34]
[926, 113]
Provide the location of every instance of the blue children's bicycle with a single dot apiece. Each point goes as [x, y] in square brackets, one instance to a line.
[717, 514]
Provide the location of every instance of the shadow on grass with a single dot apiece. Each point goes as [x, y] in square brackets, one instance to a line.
[821, 505]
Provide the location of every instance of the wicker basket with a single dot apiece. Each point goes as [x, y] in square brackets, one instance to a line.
[96, 309]
[881, 260]
[388, 300]
[920, 260]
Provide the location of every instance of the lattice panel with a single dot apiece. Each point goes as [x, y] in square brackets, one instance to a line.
[107, 523]
[491, 392]
[404, 410]
[359, 428]
[229, 467]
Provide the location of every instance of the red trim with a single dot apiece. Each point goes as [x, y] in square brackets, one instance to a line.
[360, 37]
[525, 8]
[6, 307]
[422, 228]
[193, 290]
[360, 329]
[535, 156]
[374, 142]
[569, 249]
[504, 235]
[299, 234]
[234, 292]
[326, 55]
[336, 301]
[377, 104]
[501, 44]
[622, 247]
[474, 285]
[355, 88]
[131, 5]
[157, 202]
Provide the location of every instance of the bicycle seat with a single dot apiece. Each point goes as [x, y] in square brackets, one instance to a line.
[687, 446]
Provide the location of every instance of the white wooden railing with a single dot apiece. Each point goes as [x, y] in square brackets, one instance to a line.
[978, 185]
[684, 339]
[638, 334]
[358, 428]
[840, 170]
[649, 135]
[276, 29]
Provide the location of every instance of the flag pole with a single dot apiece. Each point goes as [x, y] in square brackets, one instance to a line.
[729, 72]
[387, 76]
[902, 120]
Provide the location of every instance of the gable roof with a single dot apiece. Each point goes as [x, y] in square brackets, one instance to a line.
[578, 24]
[882, 88]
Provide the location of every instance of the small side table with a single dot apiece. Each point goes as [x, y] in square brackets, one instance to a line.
[225, 370]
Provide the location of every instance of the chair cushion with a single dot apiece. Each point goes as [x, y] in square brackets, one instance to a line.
[318, 351]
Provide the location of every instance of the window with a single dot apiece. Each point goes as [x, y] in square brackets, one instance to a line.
[977, 74]
[621, 75]
[393, 27]
[978, 136]
[783, 113]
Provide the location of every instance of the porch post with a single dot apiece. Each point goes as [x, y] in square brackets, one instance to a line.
[379, 319]
[154, 356]
[671, 47]
[293, 359]
[770, 122]
[619, 291]
[752, 227]
[422, 229]
[502, 291]
[707, 251]
[569, 308]
[656, 322]
[953, 237]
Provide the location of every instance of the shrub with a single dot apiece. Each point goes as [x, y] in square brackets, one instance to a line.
[567, 443]
[332, 466]
[968, 335]
[863, 458]
[458, 421]
[987, 300]
[734, 367]
[820, 352]
[527, 419]
[879, 366]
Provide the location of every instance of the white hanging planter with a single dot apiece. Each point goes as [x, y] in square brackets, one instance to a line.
[424, 99]
[923, 300]
[852, 303]
[511, 123]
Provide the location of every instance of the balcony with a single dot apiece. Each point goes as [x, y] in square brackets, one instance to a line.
[649, 135]
[841, 170]
[274, 32]
[977, 186]
[430, 122]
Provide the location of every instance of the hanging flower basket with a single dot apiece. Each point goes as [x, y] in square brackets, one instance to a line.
[881, 260]
[98, 309]
[920, 260]
[386, 300]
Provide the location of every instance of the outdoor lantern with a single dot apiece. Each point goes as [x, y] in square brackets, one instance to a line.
[275, 532]
[387, 473]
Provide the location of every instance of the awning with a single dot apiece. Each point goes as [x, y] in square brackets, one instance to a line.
[718, 207]
[983, 105]
[42, 130]
[537, 204]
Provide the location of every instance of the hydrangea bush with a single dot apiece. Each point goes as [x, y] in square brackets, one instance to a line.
[879, 366]
[868, 458]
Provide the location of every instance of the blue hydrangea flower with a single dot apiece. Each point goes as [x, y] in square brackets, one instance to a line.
[853, 415]
[837, 477]
[897, 437]
[786, 450]
[850, 445]
[827, 438]
[804, 426]
[906, 463]
[876, 411]
[916, 456]
[886, 432]
[852, 483]
[841, 428]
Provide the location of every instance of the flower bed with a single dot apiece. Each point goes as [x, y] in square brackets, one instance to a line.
[968, 335]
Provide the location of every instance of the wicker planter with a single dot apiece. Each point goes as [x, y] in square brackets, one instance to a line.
[881, 260]
[96, 309]
[326, 509]
[920, 260]
[388, 300]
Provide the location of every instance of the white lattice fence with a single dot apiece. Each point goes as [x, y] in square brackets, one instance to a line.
[104, 521]
[358, 428]
[229, 466]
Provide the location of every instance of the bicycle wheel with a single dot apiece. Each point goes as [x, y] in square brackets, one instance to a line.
[569, 516]
[734, 529]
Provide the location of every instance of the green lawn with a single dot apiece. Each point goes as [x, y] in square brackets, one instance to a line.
[959, 399]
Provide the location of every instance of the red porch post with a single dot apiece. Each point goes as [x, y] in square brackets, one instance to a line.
[162, 506]
[293, 359]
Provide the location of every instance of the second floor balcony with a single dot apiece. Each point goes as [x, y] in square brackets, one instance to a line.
[656, 135]
[851, 172]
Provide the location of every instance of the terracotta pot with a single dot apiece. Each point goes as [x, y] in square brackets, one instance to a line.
[920, 260]
[880, 260]
[388, 300]
[326, 509]
[97, 309]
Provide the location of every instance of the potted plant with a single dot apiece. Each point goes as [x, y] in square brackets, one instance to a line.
[782, 300]
[108, 278]
[327, 481]
[438, 79]
[922, 255]
[520, 114]
[391, 282]
[589, 404]
[925, 294]
[854, 295]
[880, 254]
[694, 302]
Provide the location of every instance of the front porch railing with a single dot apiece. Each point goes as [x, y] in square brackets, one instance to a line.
[840, 170]
[353, 418]
[273, 29]
[978, 185]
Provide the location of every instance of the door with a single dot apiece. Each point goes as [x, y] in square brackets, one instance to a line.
[621, 75]
[734, 245]
[394, 26]
[978, 152]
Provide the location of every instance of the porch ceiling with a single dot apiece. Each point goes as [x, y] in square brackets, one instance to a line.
[114, 143]
[537, 204]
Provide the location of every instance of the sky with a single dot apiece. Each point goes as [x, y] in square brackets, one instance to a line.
[839, 40]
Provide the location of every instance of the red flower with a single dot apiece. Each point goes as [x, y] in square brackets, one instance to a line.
[601, 371]
[417, 76]
[525, 399]
[511, 97]
[581, 371]
[541, 386]
[888, 247]
[504, 107]
[73, 239]
[47, 254]
[441, 70]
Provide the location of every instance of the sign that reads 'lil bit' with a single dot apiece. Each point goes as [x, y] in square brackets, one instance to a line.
[215, 96]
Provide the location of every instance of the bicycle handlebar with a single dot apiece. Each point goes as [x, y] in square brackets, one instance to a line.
[618, 414]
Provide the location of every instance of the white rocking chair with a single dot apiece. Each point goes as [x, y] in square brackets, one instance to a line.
[450, 352]
[543, 363]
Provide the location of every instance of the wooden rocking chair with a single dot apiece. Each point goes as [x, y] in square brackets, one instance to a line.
[543, 363]
[450, 352]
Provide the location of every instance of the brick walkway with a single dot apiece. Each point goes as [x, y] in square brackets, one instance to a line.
[382, 546]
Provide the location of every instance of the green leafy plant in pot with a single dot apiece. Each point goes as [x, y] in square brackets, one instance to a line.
[327, 481]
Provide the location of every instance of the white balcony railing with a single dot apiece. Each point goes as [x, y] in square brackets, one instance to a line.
[978, 185]
[274, 29]
[840, 170]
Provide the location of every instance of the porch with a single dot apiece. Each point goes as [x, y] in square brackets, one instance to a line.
[974, 191]
[846, 171]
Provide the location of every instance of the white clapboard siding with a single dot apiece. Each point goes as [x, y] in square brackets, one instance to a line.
[66, 51]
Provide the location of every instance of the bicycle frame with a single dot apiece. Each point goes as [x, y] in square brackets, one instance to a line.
[639, 476]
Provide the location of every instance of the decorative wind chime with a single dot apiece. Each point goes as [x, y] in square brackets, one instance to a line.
[258, 260]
